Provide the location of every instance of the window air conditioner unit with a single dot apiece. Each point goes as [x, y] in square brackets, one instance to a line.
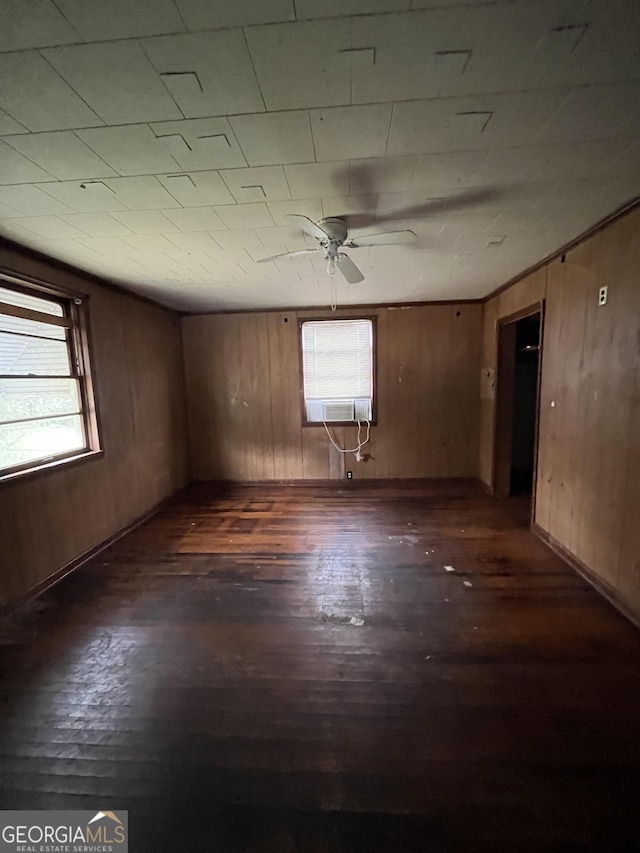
[337, 410]
[362, 409]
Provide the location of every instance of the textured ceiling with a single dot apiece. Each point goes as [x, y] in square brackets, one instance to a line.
[160, 143]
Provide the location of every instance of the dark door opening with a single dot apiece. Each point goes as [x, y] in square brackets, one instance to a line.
[525, 397]
[517, 403]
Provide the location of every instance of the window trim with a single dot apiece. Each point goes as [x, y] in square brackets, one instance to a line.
[374, 369]
[75, 317]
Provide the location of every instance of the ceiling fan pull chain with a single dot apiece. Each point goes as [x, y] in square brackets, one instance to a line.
[334, 294]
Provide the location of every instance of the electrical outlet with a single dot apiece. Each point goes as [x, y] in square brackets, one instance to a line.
[349, 475]
[602, 295]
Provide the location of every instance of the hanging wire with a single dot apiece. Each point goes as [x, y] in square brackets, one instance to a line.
[361, 444]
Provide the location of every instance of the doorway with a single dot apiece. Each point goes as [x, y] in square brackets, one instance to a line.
[519, 351]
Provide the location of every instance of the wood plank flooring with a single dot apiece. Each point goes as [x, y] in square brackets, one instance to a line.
[270, 668]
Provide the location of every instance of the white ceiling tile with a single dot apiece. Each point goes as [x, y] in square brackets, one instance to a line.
[468, 124]
[311, 207]
[141, 193]
[51, 227]
[397, 206]
[9, 125]
[331, 8]
[273, 138]
[405, 49]
[145, 221]
[240, 238]
[16, 169]
[628, 162]
[315, 180]
[197, 189]
[147, 243]
[200, 144]
[34, 94]
[578, 160]
[594, 112]
[97, 224]
[266, 183]
[7, 212]
[130, 149]
[281, 239]
[481, 145]
[230, 258]
[113, 248]
[362, 206]
[116, 80]
[75, 252]
[84, 196]
[208, 74]
[511, 46]
[195, 219]
[608, 195]
[501, 39]
[32, 201]
[579, 44]
[447, 170]
[302, 64]
[204, 15]
[198, 242]
[520, 220]
[13, 230]
[422, 126]
[33, 23]
[472, 223]
[61, 154]
[113, 19]
[438, 125]
[515, 165]
[254, 215]
[450, 64]
[382, 174]
[560, 194]
[342, 133]
[300, 265]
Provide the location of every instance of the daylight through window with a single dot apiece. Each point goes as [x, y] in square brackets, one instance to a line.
[44, 381]
[337, 363]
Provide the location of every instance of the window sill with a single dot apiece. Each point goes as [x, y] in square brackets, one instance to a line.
[50, 467]
[353, 424]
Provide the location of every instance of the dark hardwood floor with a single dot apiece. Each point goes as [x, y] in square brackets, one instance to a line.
[282, 669]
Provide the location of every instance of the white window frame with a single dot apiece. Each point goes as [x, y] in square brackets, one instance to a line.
[361, 411]
[76, 321]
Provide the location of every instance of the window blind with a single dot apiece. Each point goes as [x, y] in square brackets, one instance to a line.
[337, 359]
[40, 397]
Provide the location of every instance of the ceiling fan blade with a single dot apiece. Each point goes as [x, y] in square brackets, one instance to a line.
[307, 225]
[389, 238]
[348, 269]
[288, 255]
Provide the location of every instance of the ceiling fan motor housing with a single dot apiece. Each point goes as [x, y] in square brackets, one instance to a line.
[334, 228]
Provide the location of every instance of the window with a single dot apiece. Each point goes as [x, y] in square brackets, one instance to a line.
[46, 404]
[337, 367]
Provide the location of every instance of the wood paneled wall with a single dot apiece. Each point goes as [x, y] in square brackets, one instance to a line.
[588, 479]
[244, 403]
[50, 519]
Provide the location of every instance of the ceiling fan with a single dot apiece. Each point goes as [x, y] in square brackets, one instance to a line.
[332, 235]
